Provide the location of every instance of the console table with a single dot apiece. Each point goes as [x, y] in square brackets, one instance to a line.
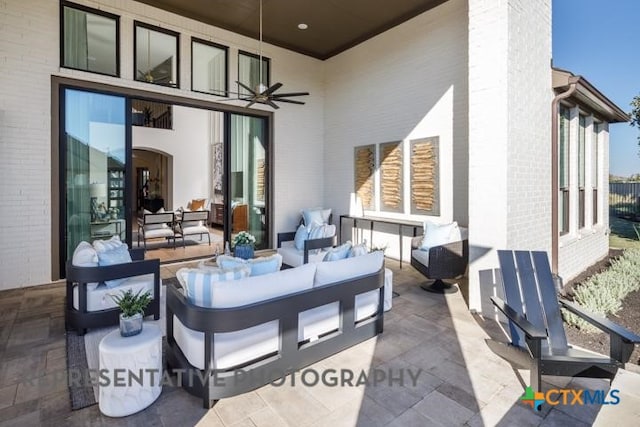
[374, 219]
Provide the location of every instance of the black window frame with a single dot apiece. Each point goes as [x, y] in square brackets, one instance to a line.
[93, 11]
[155, 28]
[226, 67]
[253, 55]
[564, 113]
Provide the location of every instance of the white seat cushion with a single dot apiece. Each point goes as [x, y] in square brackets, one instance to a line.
[98, 296]
[196, 229]
[294, 257]
[161, 232]
[421, 256]
[335, 271]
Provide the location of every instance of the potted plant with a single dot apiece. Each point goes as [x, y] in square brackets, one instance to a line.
[243, 245]
[132, 307]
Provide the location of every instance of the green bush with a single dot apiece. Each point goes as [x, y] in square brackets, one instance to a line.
[603, 293]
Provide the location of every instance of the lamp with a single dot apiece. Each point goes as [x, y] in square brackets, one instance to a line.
[96, 190]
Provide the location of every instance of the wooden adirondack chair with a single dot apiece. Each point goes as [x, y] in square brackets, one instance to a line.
[533, 309]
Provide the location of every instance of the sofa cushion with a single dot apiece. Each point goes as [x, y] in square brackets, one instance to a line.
[105, 245]
[316, 231]
[199, 283]
[258, 266]
[339, 252]
[439, 234]
[112, 254]
[421, 256]
[98, 297]
[317, 215]
[329, 230]
[85, 255]
[335, 271]
[294, 257]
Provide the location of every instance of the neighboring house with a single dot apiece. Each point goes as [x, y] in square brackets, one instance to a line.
[472, 75]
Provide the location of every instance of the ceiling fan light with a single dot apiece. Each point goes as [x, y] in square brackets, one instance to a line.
[302, 26]
[260, 88]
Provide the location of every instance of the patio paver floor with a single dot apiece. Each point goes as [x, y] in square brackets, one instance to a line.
[462, 381]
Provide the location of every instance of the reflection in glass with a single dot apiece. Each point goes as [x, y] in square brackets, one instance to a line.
[90, 41]
[156, 56]
[209, 64]
[249, 72]
[94, 136]
[248, 177]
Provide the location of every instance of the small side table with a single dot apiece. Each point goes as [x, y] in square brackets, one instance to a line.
[122, 359]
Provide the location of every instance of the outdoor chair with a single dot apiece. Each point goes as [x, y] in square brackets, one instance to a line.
[193, 223]
[445, 258]
[311, 249]
[155, 226]
[535, 324]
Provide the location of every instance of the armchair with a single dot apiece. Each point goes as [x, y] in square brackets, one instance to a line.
[193, 223]
[294, 253]
[156, 225]
[446, 258]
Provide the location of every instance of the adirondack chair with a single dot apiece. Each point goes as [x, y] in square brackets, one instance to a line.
[533, 309]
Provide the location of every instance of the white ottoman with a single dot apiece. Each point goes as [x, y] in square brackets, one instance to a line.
[138, 356]
[388, 288]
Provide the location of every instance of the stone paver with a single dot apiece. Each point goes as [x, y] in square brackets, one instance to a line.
[460, 382]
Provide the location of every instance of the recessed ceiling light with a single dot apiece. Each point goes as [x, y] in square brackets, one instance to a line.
[303, 26]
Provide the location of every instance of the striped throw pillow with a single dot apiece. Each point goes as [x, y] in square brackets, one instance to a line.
[199, 283]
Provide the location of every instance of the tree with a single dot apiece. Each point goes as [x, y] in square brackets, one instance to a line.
[635, 113]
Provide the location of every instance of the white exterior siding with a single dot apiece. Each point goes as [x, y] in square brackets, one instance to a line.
[405, 84]
[29, 49]
[509, 135]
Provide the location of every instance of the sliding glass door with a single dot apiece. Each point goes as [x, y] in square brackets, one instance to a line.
[93, 173]
[248, 179]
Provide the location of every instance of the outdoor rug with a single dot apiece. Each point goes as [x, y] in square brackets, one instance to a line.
[83, 355]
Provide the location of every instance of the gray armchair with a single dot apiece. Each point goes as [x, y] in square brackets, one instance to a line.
[441, 262]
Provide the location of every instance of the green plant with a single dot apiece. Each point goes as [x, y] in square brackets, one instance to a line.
[130, 303]
[603, 293]
[244, 238]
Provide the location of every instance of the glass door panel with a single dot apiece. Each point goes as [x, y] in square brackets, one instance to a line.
[93, 142]
[248, 178]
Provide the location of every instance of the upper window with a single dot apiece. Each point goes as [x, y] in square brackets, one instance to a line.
[90, 40]
[209, 67]
[156, 55]
[251, 74]
[581, 169]
[594, 170]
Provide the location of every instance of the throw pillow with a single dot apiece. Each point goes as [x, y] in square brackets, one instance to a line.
[302, 234]
[329, 230]
[339, 252]
[258, 266]
[316, 231]
[359, 250]
[438, 234]
[198, 283]
[117, 255]
[317, 215]
[85, 255]
[197, 204]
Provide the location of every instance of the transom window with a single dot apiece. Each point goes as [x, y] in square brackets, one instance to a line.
[209, 67]
[90, 40]
[156, 55]
[251, 74]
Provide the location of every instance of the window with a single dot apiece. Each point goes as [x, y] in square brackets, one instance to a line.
[90, 40]
[156, 55]
[594, 170]
[581, 170]
[250, 73]
[563, 176]
[209, 67]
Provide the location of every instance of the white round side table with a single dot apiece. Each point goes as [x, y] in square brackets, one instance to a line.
[133, 366]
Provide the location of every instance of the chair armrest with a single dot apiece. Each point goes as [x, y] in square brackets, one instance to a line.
[287, 236]
[110, 272]
[527, 327]
[311, 244]
[449, 260]
[137, 254]
[601, 323]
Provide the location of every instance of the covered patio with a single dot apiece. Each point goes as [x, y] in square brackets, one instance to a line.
[435, 338]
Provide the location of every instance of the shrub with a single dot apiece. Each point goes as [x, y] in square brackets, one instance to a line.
[603, 293]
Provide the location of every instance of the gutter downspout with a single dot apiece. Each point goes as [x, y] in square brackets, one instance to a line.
[555, 185]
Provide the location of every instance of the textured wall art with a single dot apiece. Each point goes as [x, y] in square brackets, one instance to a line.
[391, 189]
[364, 169]
[425, 187]
[217, 167]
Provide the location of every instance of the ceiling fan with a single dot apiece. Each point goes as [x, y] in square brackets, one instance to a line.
[262, 94]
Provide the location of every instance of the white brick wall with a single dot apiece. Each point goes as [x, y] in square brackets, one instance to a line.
[29, 55]
[509, 133]
[407, 83]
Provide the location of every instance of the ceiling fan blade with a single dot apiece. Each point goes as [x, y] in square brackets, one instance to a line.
[272, 89]
[247, 88]
[271, 104]
[250, 103]
[282, 95]
[290, 101]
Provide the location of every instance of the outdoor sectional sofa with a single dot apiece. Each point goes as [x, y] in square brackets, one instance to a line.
[262, 328]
